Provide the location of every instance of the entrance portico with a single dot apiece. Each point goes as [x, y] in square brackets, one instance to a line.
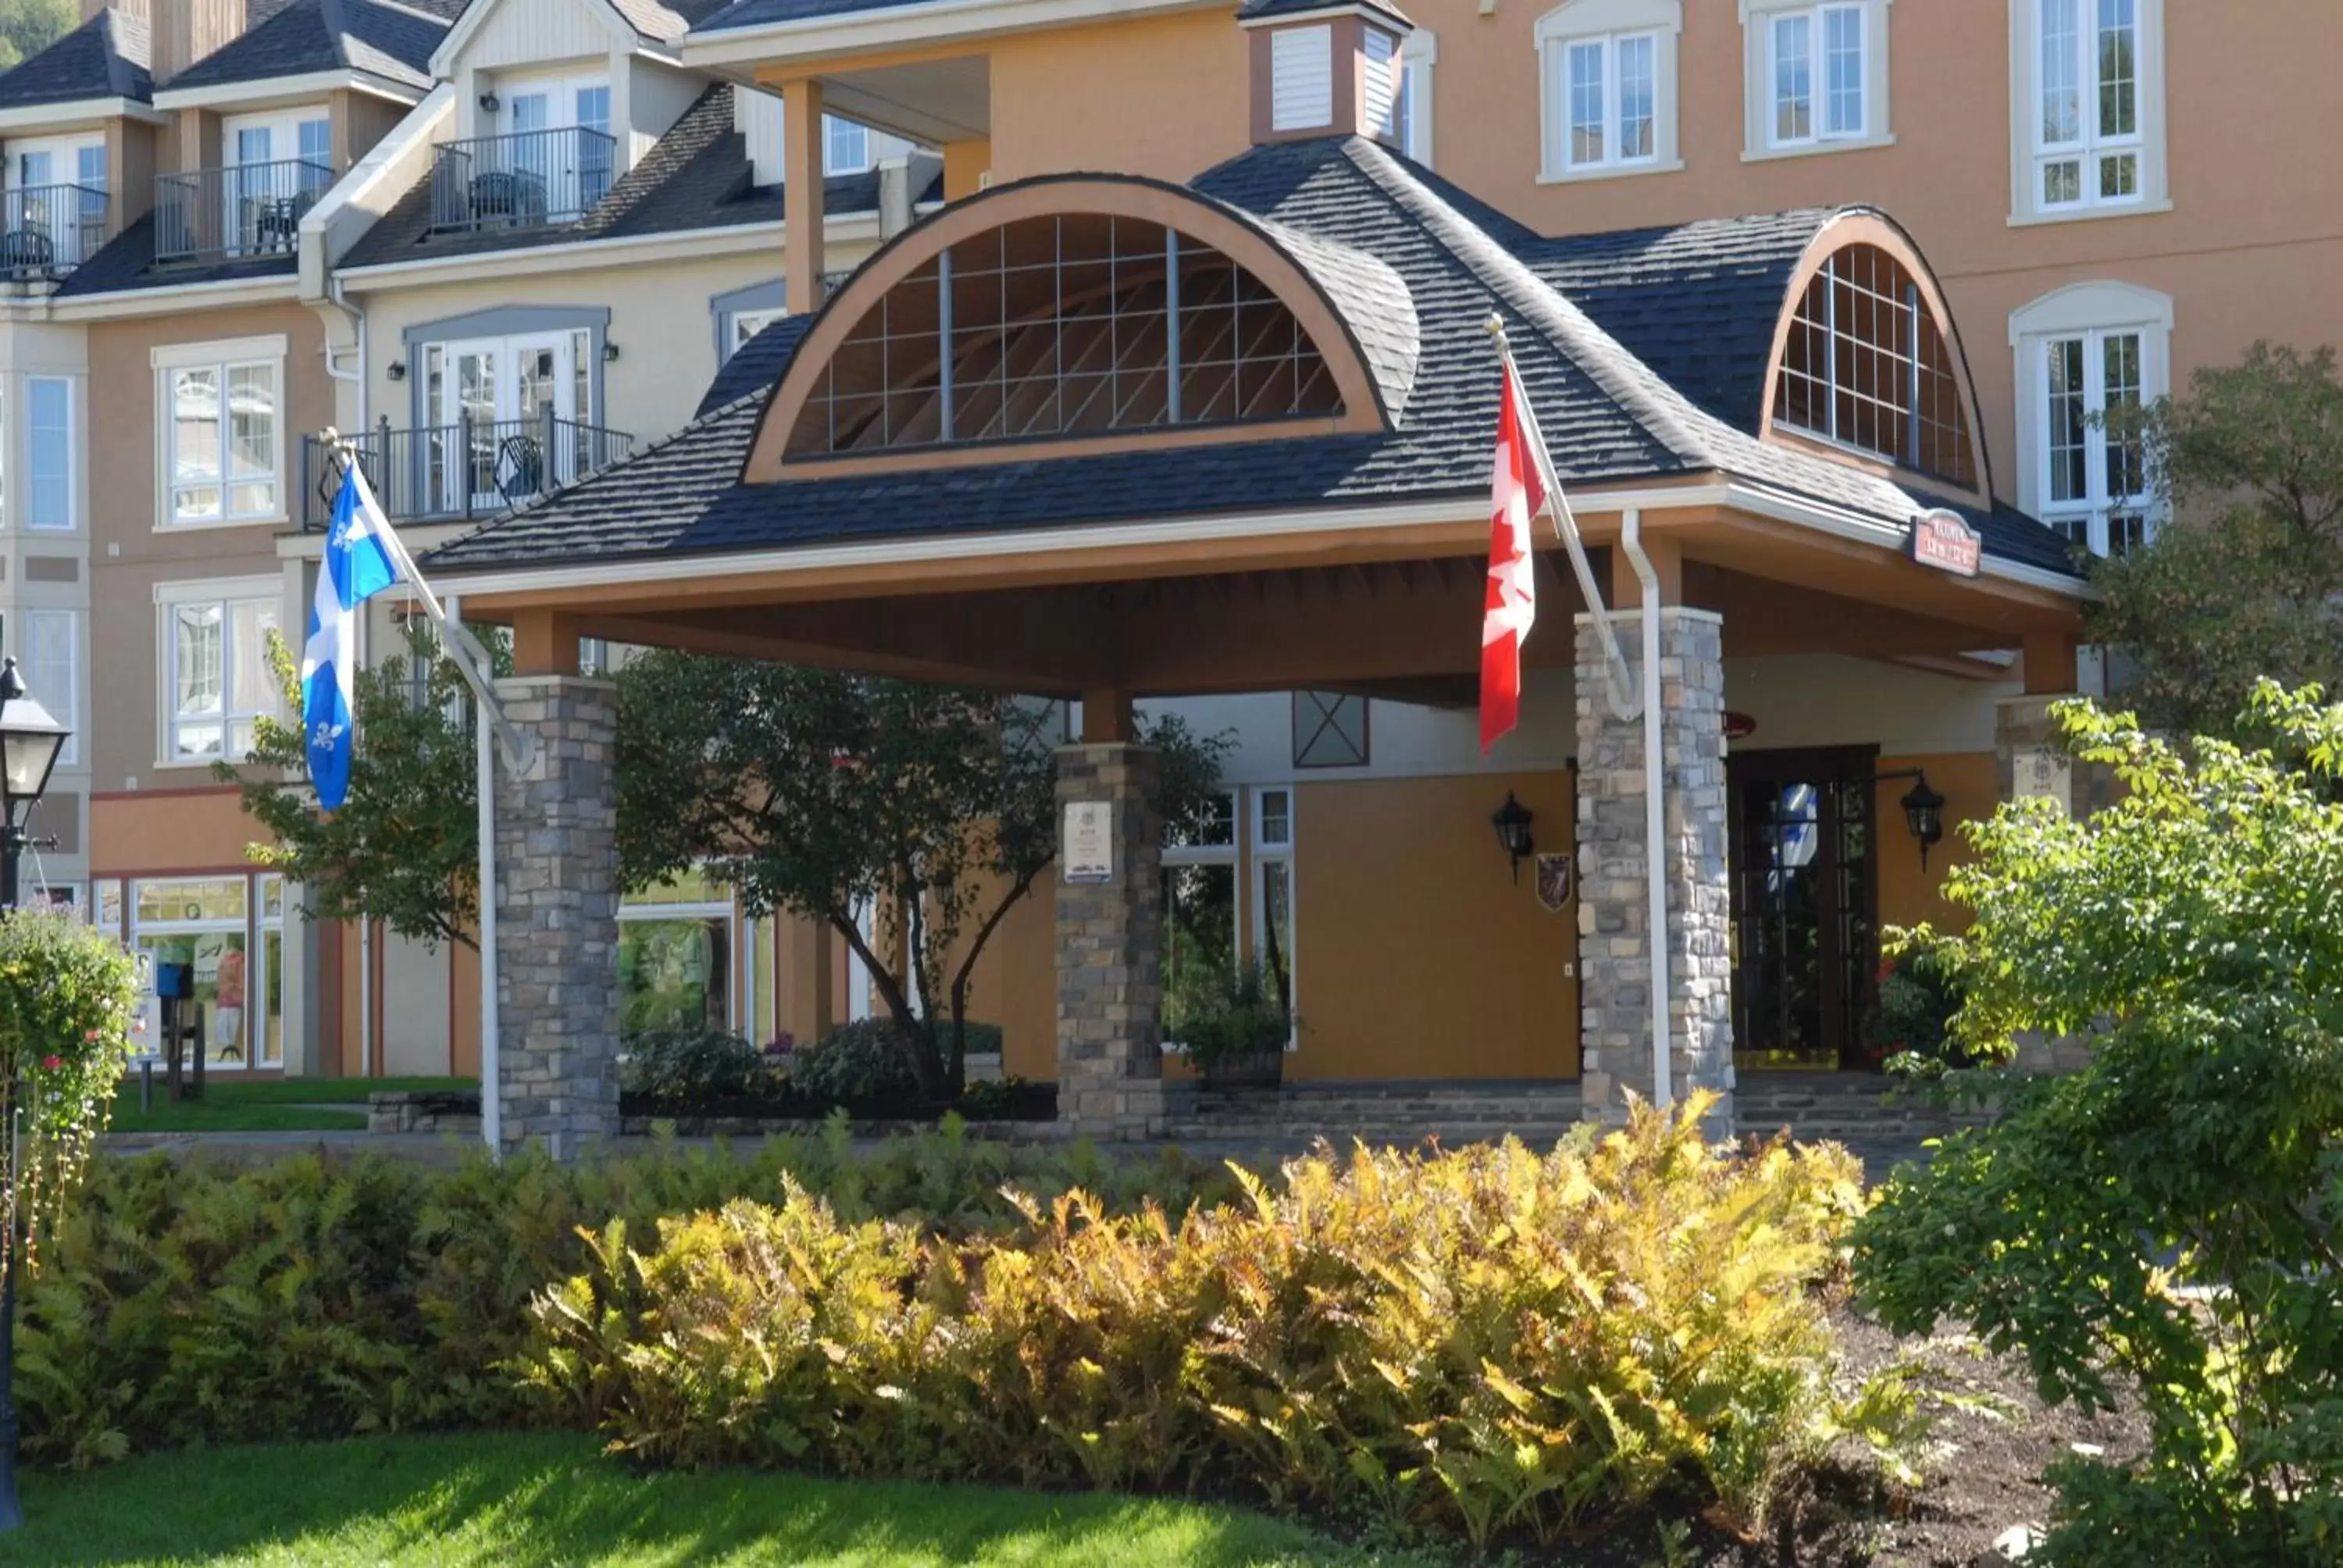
[901, 498]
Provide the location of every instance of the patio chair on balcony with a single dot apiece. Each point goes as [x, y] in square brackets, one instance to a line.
[509, 197]
[520, 469]
[273, 224]
[27, 249]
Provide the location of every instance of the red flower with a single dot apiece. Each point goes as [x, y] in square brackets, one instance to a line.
[53, 1062]
[1887, 968]
[92, 1037]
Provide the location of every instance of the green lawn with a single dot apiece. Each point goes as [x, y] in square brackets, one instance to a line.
[553, 1502]
[235, 1104]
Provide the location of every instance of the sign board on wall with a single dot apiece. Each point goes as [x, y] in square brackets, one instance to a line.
[1944, 539]
[1086, 851]
[2043, 771]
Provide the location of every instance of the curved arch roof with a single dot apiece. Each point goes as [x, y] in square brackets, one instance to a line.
[1644, 354]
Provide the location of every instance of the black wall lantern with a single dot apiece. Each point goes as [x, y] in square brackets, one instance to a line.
[1923, 810]
[1511, 821]
[1924, 813]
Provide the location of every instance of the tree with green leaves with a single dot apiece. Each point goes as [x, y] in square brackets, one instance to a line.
[404, 848]
[2245, 581]
[827, 795]
[2164, 1220]
[29, 27]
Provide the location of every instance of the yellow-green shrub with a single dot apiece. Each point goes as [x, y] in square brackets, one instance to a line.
[1488, 1342]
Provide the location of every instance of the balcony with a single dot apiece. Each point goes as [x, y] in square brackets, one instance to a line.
[210, 216]
[472, 468]
[529, 179]
[47, 231]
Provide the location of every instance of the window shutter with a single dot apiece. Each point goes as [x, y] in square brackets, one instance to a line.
[1302, 78]
[1383, 89]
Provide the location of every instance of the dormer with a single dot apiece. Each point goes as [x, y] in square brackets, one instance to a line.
[555, 101]
[1326, 70]
[76, 127]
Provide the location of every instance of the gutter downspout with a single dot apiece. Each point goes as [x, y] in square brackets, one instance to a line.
[1631, 540]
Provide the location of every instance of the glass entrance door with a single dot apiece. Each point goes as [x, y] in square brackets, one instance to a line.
[1805, 907]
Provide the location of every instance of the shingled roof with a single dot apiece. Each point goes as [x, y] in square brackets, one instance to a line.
[1610, 413]
[697, 176]
[381, 37]
[104, 57]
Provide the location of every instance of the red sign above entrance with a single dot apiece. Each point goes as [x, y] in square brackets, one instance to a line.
[1739, 726]
[1944, 540]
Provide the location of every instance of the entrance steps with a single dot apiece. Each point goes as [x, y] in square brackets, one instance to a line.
[1538, 1112]
[1855, 1109]
[1842, 1107]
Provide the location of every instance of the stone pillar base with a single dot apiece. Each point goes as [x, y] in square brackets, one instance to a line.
[557, 918]
[1614, 874]
[1110, 945]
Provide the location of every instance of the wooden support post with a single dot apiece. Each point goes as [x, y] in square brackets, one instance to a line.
[2050, 664]
[545, 642]
[1107, 718]
[802, 148]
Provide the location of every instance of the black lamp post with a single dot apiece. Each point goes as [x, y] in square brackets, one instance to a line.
[30, 740]
[1511, 821]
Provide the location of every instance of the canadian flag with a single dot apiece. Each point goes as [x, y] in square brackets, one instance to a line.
[1515, 496]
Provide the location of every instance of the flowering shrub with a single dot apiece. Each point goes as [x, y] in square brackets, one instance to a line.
[69, 999]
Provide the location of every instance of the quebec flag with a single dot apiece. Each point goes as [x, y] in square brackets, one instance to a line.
[357, 566]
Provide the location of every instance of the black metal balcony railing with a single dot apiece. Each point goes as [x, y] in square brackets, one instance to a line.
[45, 230]
[247, 210]
[472, 468]
[529, 179]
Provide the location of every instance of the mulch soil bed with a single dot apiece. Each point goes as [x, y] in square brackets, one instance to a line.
[1981, 1475]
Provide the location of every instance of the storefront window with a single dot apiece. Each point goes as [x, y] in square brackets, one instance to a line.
[201, 922]
[675, 957]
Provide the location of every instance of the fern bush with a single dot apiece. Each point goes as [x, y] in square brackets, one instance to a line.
[317, 1298]
[1493, 1342]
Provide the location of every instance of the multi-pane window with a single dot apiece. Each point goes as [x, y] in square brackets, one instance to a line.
[52, 654]
[1818, 71]
[222, 442]
[1200, 911]
[1272, 889]
[2087, 145]
[216, 674]
[2095, 485]
[846, 147]
[1064, 325]
[1610, 93]
[48, 480]
[1866, 366]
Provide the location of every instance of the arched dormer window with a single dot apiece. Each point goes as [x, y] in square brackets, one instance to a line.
[1125, 314]
[1865, 360]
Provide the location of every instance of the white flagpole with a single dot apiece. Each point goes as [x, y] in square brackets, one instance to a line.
[1618, 678]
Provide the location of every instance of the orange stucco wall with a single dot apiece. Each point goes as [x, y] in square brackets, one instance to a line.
[161, 832]
[1414, 954]
[1168, 97]
[1970, 784]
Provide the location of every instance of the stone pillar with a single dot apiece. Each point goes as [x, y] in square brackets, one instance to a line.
[1614, 870]
[557, 917]
[1111, 946]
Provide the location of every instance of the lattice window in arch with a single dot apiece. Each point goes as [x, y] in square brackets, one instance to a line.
[1867, 366]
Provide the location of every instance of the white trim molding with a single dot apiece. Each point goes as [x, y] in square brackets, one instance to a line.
[1607, 30]
[2094, 154]
[79, 113]
[264, 93]
[2093, 313]
[1760, 137]
[908, 23]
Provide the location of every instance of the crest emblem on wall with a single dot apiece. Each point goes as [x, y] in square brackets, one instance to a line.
[1553, 881]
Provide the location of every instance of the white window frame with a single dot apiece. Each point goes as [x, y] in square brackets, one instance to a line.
[1231, 854]
[633, 911]
[250, 927]
[1419, 51]
[64, 162]
[2030, 155]
[72, 521]
[1759, 20]
[2092, 312]
[1607, 22]
[284, 128]
[169, 599]
[224, 356]
[1263, 855]
[61, 697]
